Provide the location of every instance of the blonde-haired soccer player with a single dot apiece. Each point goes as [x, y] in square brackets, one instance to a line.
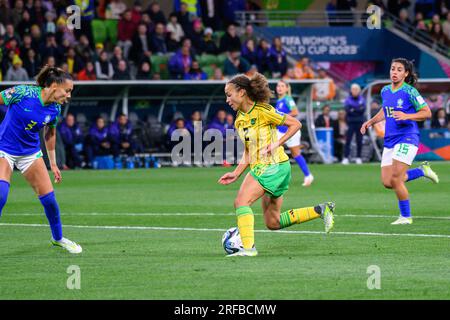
[270, 170]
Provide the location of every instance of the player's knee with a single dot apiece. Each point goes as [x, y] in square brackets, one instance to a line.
[396, 180]
[273, 224]
[387, 184]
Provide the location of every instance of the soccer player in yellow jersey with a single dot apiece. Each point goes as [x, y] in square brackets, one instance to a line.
[270, 170]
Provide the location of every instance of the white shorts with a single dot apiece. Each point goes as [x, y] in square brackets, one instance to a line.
[403, 152]
[293, 141]
[21, 162]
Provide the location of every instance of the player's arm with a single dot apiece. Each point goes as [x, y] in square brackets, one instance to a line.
[374, 120]
[50, 144]
[1, 100]
[421, 115]
[293, 108]
[293, 126]
[231, 177]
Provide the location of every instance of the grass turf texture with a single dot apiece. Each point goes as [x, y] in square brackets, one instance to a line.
[190, 264]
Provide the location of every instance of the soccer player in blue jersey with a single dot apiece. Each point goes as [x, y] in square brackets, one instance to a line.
[285, 104]
[402, 107]
[31, 108]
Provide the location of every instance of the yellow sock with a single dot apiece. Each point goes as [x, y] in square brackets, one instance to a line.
[288, 218]
[246, 221]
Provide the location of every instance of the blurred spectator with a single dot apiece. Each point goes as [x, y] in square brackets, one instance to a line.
[435, 101]
[324, 120]
[126, 29]
[175, 32]
[211, 13]
[230, 41]
[148, 22]
[290, 74]
[229, 121]
[84, 49]
[115, 9]
[120, 133]
[51, 48]
[5, 11]
[158, 40]
[403, 23]
[16, 72]
[142, 45]
[344, 8]
[185, 19]
[178, 125]
[136, 12]
[263, 53]
[249, 35]
[51, 61]
[339, 134]
[446, 29]
[74, 62]
[197, 35]
[235, 64]
[207, 44]
[419, 18]
[155, 13]
[116, 57]
[434, 20]
[11, 33]
[395, 6]
[26, 45]
[38, 13]
[122, 72]
[195, 72]
[103, 68]
[249, 52]
[193, 6]
[219, 122]
[144, 72]
[97, 142]
[180, 63]
[278, 60]
[195, 124]
[436, 33]
[303, 69]
[49, 26]
[87, 73]
[31, 63]
[354, 106]
[218, 74]
[229, 10]
[331, 10]
[25, 24]
[324, 91]
[7, 61]
[73, 141]
[440, 119]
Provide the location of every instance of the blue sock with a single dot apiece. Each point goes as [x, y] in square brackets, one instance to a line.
[302, 164]
[405, 211]
[52, 212]
[4, 190]
[414, 174]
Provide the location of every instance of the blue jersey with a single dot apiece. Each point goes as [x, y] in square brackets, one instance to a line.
[26, 116]
[407, 100]
[285, 105]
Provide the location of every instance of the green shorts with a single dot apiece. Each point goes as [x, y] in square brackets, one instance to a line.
[274, 178]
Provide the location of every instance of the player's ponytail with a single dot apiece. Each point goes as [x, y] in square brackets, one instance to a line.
[256, 87]
[412, 77]
[49, 75]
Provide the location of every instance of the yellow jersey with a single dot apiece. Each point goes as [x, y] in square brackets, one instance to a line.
[258, 128]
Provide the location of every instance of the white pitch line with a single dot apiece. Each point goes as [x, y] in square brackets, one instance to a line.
[222, 230]
[143, 214]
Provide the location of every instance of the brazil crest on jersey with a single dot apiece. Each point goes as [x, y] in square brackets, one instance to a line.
[285, 105]
[26, 116]
[257, 129]
[407, 100]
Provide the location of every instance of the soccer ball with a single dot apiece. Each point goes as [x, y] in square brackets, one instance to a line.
[231, 240]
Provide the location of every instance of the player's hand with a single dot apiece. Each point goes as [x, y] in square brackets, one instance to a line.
[398, 115]
[268, 150]
[228, 178]
[366, 125]
[56, 173]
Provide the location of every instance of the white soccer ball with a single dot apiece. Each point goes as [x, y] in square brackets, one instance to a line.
[231, 241]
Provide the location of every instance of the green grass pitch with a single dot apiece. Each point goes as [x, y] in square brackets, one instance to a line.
[156, 234]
